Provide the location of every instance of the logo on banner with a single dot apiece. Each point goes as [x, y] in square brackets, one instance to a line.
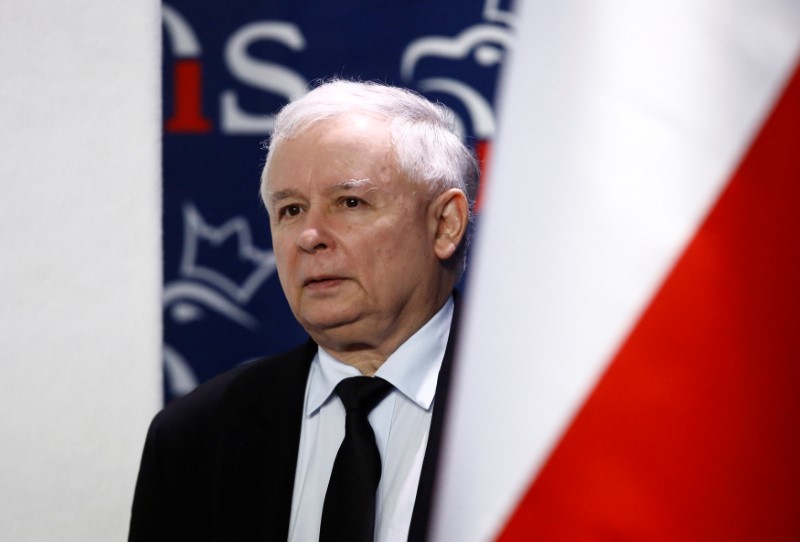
[487, 43]
[270, 77]
[220, 271]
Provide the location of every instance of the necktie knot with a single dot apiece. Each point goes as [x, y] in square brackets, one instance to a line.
[362, 393]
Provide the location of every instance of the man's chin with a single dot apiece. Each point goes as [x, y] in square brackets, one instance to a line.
[334, 330]
[328, 323]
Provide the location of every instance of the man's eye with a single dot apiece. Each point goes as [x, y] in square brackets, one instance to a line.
[352, 202]
[290, 210]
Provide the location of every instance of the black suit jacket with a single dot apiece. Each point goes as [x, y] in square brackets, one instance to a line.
[219, 463]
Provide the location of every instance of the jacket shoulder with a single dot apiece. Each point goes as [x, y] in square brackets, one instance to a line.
[248, 381]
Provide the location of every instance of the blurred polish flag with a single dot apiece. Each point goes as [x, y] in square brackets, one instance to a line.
[629, 367]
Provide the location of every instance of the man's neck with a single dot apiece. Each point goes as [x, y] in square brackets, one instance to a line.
[367, 358]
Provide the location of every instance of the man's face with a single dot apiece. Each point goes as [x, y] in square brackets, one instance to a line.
[353, 238]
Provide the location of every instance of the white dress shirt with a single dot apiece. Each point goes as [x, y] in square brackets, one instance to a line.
[401, 423]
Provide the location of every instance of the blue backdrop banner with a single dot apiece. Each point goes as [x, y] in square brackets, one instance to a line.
[227, 68]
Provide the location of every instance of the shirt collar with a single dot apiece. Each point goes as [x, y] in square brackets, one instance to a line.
[413, 368]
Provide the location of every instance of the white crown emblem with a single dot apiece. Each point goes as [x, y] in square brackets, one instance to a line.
[202, 241]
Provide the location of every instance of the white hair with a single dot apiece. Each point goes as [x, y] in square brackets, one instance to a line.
[422, 133]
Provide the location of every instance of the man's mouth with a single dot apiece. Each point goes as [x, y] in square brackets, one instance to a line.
[324, 281]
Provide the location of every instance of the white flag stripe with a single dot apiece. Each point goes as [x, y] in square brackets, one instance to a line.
[621, 122]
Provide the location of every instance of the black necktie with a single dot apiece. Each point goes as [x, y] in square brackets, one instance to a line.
[348, 514]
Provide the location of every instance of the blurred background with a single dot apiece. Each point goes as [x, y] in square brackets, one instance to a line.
[80, 276]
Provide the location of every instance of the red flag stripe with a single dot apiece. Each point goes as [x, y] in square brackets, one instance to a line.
[692, 432]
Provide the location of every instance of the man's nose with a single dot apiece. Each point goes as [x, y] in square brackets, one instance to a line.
[315, 234]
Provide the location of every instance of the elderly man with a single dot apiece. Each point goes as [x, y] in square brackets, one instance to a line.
[368, 192]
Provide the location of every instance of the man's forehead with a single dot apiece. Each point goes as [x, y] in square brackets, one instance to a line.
[346, 152]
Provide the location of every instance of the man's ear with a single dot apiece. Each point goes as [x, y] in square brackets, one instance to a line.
[451, 215]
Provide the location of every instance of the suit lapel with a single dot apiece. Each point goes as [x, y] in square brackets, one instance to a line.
[265, 437]
[425, 491]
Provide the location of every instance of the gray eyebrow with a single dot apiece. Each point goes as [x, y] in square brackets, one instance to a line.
[278, 195]
[354, 183]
